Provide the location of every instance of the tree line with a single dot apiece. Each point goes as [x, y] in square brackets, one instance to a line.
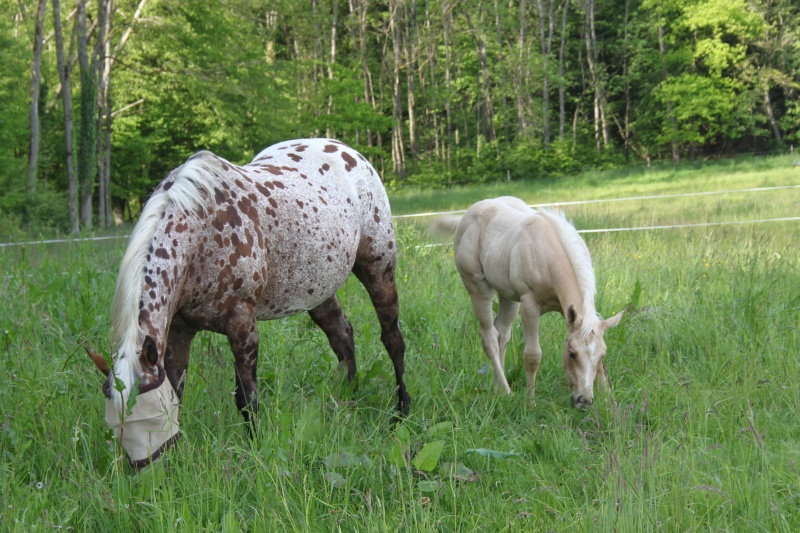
[101, 98]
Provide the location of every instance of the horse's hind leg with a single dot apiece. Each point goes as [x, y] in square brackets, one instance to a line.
[378, 278]
[331, 319]
[242, 332]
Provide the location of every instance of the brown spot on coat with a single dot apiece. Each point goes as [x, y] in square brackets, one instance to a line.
[350, 161]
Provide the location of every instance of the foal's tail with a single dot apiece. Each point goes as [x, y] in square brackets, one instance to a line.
[444, 227]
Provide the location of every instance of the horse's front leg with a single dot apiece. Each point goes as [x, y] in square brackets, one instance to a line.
[176, 358]
[242, 332]
[532, 354]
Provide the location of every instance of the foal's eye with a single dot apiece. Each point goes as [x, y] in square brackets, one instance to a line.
[572, 355]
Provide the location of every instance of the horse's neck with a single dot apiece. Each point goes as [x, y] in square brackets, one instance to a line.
[569, 293]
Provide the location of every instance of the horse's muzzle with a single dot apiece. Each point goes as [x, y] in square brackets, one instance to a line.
[152, 425]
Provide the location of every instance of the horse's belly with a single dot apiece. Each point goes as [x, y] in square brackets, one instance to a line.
[305, 270]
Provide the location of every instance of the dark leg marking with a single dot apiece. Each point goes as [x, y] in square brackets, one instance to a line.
[176, 358]
[331, 319]
[378, 279]
[242, 333]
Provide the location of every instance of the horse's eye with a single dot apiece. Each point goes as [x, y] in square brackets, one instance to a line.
[572, 355]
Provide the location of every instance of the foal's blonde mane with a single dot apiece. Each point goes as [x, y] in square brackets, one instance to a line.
[581, 263]
[196, 176]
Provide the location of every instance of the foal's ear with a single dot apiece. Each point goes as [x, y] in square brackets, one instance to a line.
[149, 355]
[572, 315]
[613, 321]
[99, 362]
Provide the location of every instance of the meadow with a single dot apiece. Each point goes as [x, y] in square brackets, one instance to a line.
[700, 433]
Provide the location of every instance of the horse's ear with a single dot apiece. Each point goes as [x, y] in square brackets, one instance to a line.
[149, 355]
[99, 362]
[572, 315]
[613, 321]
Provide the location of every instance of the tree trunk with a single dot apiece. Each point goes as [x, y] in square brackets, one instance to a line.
[335, 16]
[676, 154]
[503, 80]
[546, 26]
[36, 81]
[87, 145]
[592, 59]
[561, 88]
[522, 72]
[66, 97]
[626, 134]
[448, 116]
[776, 130]
[409, 46]
[398, 150]
[99, 72]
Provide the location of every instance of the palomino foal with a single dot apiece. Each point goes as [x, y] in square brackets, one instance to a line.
[537, 261]
[219, 247]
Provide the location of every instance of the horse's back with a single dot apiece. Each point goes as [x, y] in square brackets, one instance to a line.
[285, 230]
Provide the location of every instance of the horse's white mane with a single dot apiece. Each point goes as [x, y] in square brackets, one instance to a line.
[186, 194]
[581, 263]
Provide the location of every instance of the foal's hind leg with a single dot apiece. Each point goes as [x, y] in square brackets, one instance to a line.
[482, 297]
[331, 319]
[378, 278]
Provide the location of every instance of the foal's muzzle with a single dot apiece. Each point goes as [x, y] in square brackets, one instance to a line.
[581, 401]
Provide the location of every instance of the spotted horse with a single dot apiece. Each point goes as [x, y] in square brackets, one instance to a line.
[219, 247]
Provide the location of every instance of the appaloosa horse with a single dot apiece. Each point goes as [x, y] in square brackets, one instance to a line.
[538, 260]
[219, 247]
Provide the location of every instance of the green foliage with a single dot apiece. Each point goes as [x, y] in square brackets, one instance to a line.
[236, 76]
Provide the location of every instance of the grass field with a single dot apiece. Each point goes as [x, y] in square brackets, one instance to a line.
[701, 432]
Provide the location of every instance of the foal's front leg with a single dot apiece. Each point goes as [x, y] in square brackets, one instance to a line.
[532, 355]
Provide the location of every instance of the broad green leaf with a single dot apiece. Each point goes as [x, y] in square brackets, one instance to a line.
[132, 396]
[458, 471]
[441, 427]
[493, 454]
[429, 486]
[336, 480]
[428, 457]
[230, 523]
[309, 426]
[397, 454]
[345, 459]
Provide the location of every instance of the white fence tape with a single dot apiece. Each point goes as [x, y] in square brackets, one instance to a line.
[553, 204]
[628, 199]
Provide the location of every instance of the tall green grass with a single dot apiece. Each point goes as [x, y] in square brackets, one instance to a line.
[700, 433]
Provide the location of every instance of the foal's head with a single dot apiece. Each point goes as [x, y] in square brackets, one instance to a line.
[584, 352]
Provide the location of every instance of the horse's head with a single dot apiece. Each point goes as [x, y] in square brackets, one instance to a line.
[145, 419]
[584, 352]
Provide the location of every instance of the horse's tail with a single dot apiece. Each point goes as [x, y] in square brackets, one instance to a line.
[444, 227]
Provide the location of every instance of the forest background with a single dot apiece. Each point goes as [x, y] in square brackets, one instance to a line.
[99, 100]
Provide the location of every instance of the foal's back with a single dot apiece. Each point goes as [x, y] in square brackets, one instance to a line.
[509, 246]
